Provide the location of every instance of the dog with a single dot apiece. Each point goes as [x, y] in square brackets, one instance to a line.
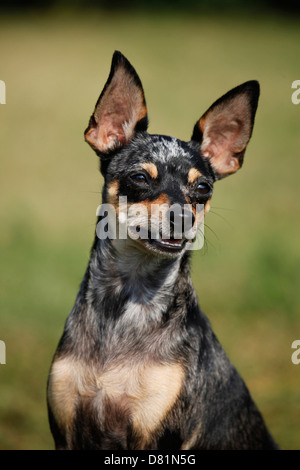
[138, 366]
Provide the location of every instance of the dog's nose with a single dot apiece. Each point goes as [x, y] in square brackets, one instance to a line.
[181, 220]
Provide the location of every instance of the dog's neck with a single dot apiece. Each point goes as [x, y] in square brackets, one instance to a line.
[126, 279]
[130, 302]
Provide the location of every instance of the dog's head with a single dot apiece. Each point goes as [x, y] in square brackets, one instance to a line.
[164, 181]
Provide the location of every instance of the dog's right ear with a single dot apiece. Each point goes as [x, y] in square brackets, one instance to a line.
[120, 110]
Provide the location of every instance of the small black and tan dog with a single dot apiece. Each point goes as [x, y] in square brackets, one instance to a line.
[138, 366]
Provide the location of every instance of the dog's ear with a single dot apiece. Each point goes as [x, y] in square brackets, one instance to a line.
[225, 129]
[120, 110]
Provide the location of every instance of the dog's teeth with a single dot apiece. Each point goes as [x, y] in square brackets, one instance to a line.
[171, 242]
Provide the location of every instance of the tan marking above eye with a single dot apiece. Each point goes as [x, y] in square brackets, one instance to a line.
[193, 174]
[151, 169]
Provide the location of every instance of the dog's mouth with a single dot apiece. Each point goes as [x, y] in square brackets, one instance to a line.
[168, 244]
[159, 243]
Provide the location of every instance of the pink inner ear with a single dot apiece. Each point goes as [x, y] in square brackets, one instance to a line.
[105, 136]
[223, 135]
[226, 131]
[117, 113]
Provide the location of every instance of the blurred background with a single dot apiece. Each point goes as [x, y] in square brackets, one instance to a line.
[54, 59]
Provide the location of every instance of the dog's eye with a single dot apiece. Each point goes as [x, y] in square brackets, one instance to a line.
[203, 188]
[139, 178]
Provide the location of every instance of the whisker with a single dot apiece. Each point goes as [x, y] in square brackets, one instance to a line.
[223, 208]
[212, 231]
[206, 242]
[88, 191]
[221, 217]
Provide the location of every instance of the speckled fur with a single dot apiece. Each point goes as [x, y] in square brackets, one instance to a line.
[138, 365]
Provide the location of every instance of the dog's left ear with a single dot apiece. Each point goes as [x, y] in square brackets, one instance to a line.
[225, 129]
[120, 110]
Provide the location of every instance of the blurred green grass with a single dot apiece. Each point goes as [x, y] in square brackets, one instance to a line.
[247, 275]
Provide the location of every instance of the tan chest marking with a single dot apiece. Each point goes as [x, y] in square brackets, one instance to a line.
[147, 391]
[192, 441]
[68, 379]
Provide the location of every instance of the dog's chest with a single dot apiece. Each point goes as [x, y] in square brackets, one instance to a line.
[123, 395]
